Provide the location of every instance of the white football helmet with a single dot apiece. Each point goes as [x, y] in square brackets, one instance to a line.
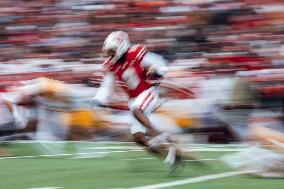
[115, 45]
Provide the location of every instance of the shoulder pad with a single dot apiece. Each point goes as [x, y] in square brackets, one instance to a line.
[137, 52]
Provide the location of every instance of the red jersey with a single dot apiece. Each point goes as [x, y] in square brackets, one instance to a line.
[130, 71]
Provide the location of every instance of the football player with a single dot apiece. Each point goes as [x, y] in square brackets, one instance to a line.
[265, 155]
[135, 66]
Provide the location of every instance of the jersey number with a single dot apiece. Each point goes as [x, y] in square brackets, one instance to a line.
[130, 77]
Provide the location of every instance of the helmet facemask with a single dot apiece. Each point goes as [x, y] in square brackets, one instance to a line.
[115, 45]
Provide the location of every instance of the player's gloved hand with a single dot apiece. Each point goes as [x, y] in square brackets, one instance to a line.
[152, 74]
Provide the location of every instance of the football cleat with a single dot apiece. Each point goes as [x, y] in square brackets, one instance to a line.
[173, 159]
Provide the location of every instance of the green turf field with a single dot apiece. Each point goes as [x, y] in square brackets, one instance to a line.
[119, 165]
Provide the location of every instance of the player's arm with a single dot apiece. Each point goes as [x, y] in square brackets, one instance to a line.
[155, 64]
[104, 90]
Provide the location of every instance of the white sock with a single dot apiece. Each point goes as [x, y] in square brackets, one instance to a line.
[170, 159]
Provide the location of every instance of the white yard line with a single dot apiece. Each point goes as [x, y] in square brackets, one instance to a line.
[189, 149]
[211, 150]
[132, 159]
[194, 180]
[115, 147]
[145, 158]
[121, 151]
[118, 143]
[71, 154]
[206, 159]
[122, 148]
[47, 188]
[44, 155]
[63, 142]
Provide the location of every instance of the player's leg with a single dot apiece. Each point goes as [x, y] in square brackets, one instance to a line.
[142, 106]
[158, 145]
[141, 139]
[144, 133]
[144, 120]
[163, 150]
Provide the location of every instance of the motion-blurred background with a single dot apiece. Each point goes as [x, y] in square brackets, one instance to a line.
[225, 85]
[225, 58]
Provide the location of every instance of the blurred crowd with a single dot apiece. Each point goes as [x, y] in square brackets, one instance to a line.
[57, 35]
[229, 53]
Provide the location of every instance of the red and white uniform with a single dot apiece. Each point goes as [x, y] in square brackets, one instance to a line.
[131, 71]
